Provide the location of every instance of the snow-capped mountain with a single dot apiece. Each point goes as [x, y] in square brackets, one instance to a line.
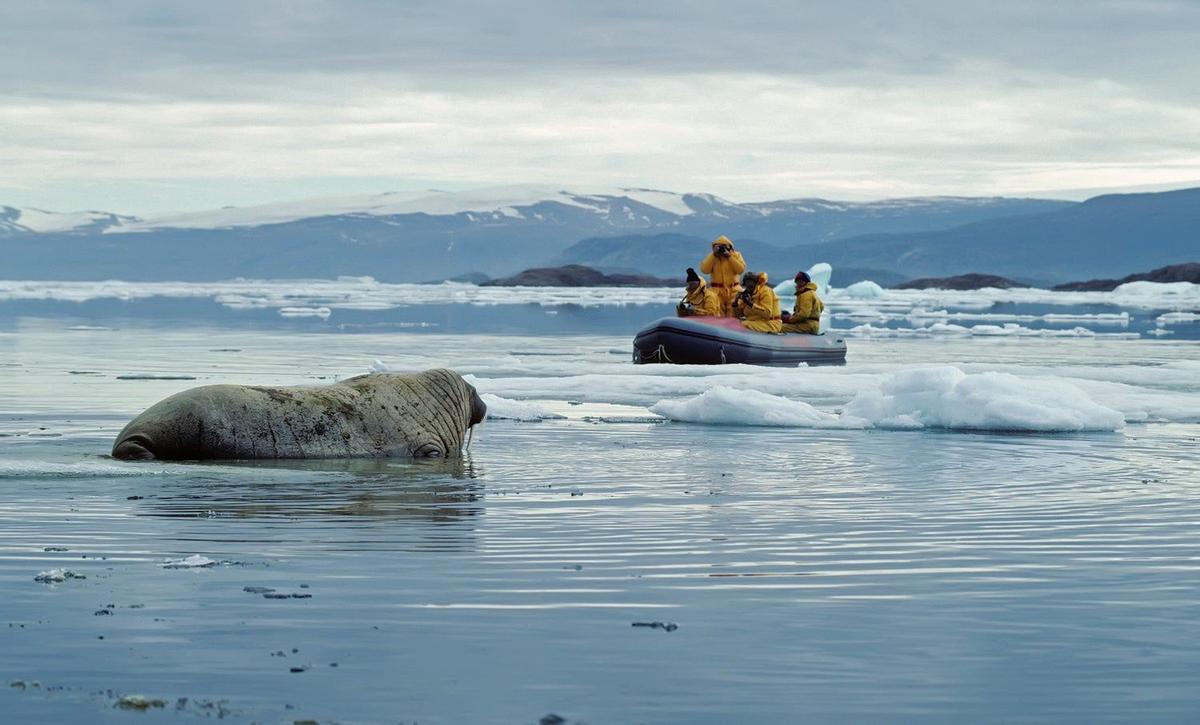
[439, 234]
[513, 202]
[39, 221]
[623, 207]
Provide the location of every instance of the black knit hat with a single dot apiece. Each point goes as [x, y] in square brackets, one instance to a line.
[692, 276]
[802, 278]
[750, 278]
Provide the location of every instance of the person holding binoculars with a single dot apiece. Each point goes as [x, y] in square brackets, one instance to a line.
[700, 301]
[757, 305]
[723, 265]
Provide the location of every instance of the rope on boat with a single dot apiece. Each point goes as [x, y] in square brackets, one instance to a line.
[658, 356]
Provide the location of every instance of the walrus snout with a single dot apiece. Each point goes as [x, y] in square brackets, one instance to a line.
[478, 407]
[134, 447]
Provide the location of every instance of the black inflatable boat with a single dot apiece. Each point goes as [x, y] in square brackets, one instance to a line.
[721, 340]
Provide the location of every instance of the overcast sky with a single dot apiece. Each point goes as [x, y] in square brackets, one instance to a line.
[149, 106]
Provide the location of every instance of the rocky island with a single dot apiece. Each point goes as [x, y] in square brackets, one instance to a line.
[577, 275]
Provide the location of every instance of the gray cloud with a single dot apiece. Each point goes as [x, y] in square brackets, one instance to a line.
[750, 99]
[149, 47]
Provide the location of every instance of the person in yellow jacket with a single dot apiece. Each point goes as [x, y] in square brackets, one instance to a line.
[806, 315]
[700, 301]
[723, 265]
[757, 305]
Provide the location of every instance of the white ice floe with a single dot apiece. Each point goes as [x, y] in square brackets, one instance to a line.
[507, 409]
[322, 312]
[1141, 393]
[195, 561]
[940, 397]
[946, 397]
[722, 405]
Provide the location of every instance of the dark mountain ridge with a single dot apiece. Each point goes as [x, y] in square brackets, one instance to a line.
[398, 241]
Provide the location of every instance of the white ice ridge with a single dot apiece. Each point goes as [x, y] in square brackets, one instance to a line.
[507, 201]
[506, 409]
[938, 397]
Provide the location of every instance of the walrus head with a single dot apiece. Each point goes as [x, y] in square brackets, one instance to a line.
[478, 407]
[134, 447]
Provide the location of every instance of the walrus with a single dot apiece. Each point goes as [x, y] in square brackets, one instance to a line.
[422, 415]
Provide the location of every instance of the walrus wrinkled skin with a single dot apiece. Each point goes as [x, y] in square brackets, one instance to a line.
[424, 415]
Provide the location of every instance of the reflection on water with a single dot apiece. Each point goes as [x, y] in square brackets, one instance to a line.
[441, 491]
[814, 575]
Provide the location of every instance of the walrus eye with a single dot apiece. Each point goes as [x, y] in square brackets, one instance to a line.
[429, 450]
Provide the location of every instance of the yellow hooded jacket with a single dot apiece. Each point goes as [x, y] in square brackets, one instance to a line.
[762, 314]
[806, 316]
[704, 302]
[725, 273]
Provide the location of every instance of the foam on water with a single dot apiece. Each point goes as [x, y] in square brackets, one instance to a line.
[82, 469]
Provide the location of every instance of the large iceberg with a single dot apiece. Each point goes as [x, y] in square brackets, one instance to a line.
[820, 273]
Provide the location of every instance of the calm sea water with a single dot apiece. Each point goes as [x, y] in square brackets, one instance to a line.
[804, 575]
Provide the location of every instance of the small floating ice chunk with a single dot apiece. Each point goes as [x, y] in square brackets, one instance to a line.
[1175, 318]
[195, 561]
[322, 312]
[864, 290]
[506, 409]
[55, 576]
